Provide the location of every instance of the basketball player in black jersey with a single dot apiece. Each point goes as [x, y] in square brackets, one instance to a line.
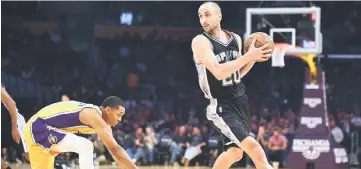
[221, 65]
[16, 120]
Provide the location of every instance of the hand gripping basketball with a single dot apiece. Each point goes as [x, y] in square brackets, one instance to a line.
[259, 54]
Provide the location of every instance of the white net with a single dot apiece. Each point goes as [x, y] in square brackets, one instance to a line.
[278, 56]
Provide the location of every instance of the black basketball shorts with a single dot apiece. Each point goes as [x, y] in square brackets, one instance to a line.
[231, 118]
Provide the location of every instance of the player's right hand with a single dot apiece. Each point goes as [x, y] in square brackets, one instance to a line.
[259, 54]
[16, 134]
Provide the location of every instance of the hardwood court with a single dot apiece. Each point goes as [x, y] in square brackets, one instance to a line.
[27, 166]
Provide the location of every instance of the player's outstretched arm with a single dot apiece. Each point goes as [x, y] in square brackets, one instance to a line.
[202, 52]
[11, 105]
[104, 132]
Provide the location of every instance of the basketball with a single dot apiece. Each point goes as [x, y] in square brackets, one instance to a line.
[261, 39]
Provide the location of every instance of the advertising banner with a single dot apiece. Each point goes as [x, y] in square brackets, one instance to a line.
[313, 147]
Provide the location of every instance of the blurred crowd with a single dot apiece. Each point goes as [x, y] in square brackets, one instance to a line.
[165, 118]
[339, 26]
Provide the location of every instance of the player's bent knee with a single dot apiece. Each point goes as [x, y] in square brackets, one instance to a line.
[86, 146]
[259, 154]
[74, 143]
[256, 148]
[251, 146]
[236, 153]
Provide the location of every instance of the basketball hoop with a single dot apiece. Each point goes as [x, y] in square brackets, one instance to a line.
[278, 59]
[278, 56]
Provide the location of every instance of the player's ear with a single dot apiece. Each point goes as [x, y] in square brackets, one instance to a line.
[220, 16]
[107, 109]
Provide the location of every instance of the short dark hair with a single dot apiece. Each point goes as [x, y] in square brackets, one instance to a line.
[113, 102]
[215, 5]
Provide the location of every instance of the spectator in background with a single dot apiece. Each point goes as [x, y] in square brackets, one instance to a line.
[129, 144]
[206, 137]
[336, 132]
[205, 132]
[179, 143]
[189, 130]
[356, 120]
[140, 145]
[277, 145]
[120, 137]
[291, 129]
[289, 132]
[64, 98]
[254, 128]
[346, 127]
[263, 136]
[150, 141]
[345, 122]
[194, 147]
[215, 147]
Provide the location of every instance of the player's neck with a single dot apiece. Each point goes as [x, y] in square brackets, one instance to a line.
[216, 33]
[104, 116]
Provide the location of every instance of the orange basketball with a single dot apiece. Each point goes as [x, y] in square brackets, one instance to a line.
[261, 39]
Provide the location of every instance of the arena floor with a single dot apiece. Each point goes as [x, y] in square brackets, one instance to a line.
[27, 166]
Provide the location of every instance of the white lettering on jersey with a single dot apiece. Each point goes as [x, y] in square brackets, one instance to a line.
[235, 77]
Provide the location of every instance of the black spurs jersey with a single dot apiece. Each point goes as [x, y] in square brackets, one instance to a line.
[230, 87]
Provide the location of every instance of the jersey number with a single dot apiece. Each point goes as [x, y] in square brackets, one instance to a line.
[234, 78]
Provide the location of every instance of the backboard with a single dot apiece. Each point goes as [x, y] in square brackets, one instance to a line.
[299, 27]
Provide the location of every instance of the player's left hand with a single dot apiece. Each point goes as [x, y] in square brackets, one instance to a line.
[16, 134]
[264, 59]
